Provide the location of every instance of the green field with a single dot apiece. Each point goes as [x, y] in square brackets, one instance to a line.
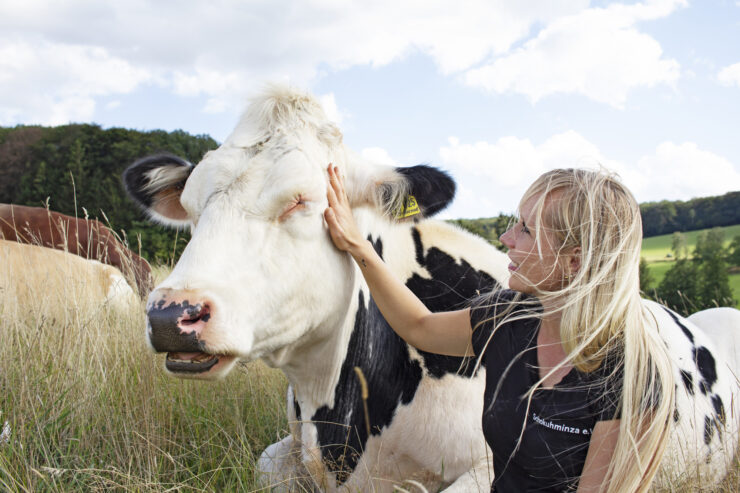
[658, 248]
[656, 251]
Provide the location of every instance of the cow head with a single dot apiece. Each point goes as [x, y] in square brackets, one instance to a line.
[260, 273]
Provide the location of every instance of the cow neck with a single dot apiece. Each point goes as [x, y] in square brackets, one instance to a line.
[312, 364]
[319, 361]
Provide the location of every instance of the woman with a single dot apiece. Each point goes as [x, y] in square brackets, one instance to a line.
[579, 387]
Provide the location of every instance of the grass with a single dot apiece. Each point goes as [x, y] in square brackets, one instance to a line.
[91, 409]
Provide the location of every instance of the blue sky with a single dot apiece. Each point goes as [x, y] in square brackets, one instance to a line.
[496, 92]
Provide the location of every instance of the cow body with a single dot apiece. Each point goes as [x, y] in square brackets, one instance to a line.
[87, 238]
[260, 278]
[32, 273]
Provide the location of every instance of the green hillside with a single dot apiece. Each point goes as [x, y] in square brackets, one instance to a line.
[657, 252]
[658, 248]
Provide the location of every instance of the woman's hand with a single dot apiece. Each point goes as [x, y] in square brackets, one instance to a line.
[338, 215]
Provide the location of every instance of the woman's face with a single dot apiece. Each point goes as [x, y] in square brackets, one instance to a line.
[533, 269]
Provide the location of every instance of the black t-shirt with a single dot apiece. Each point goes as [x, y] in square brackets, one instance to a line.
[554, 438]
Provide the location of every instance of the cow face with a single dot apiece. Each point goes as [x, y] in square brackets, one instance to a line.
[260, 272]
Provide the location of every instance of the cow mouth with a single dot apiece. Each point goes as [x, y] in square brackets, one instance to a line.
[190, 362]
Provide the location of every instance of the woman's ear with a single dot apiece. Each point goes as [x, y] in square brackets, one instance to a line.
[574, 262]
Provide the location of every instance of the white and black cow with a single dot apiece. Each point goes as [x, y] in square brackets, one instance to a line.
[260, 278]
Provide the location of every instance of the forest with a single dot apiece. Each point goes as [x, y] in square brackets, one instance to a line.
[76, 170]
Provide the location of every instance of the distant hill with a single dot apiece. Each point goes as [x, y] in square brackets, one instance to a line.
[658, 218]
[665, 217]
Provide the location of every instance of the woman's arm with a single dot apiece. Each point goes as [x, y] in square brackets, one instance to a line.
[600, 451]
[444, 332]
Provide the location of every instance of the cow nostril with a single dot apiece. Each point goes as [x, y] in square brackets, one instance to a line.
[201, 314]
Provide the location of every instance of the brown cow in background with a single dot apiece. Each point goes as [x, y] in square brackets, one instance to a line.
[88, 238]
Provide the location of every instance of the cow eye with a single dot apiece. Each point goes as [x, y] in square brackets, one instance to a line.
[298, 203]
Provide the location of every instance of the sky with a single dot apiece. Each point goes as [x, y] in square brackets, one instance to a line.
[494, 91]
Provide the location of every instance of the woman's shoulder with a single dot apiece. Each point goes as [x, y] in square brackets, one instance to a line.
[502, 315]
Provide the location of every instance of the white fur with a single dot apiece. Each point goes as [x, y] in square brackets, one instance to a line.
[723, 326]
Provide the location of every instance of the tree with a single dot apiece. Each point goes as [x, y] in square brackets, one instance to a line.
[714, 282]
[646, 278]
[679, 289]
[678, 245]
[734, 256]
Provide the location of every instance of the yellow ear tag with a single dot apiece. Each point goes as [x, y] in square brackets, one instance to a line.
[411, 208]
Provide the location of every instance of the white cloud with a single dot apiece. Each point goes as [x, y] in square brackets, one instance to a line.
[112, 105]
[224, 49]
[598, 52]
[378, 155]
[683, 171]
[330, 108]
[730, 76]
[499, 173]
[53, 83]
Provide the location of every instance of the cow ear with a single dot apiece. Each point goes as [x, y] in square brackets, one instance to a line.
[155, 183]
[429, 190]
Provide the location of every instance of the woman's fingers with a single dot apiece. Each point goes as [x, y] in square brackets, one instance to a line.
[331, 195]
[337, 184]
[338, 215]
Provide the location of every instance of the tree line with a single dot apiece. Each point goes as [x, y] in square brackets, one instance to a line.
[665, 217]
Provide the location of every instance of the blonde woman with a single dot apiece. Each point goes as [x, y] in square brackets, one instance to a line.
[579, 388]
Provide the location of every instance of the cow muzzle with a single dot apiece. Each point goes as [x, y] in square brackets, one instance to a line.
[176, 326]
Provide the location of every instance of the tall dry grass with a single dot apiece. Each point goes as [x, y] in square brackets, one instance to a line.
[91, 409]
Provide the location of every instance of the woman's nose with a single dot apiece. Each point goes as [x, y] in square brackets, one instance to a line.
[507, 239]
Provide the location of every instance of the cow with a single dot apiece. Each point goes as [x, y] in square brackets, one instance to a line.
[260, 278]
[88, 238]
[39, 280]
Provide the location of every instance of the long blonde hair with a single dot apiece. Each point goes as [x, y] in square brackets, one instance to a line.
[602, 313]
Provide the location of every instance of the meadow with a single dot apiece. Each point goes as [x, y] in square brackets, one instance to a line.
[656, 250]
[89, 407]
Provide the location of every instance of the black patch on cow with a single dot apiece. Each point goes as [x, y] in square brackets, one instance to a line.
[392, 379]
[719, 409]
[707, 369]
[433, 189]
[676, 416]
[688, 381]
[296, 408]
[452, 285]
[165, 334]
[377, 245]
[135, 177]
[708, 429]
[685, 330]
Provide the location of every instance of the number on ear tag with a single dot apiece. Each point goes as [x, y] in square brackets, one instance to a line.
[411, 208]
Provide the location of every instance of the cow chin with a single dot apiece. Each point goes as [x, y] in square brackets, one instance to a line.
[199, 366]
